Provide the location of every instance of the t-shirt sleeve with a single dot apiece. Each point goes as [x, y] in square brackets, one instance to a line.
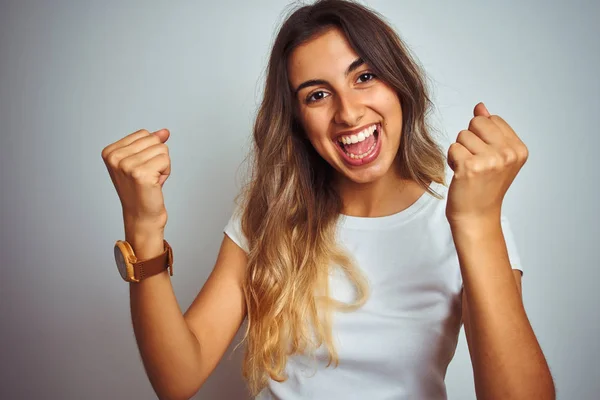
[511, 246]
[233, 229]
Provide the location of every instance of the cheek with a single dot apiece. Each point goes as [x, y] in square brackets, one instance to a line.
[385, 100]
[315, 125]
[390, 105]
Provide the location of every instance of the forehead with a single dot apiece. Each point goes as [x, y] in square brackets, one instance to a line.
[326, 56]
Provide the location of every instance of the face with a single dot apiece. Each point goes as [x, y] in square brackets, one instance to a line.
[351, 117]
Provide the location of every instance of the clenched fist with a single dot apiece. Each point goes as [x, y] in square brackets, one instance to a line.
[139, 164]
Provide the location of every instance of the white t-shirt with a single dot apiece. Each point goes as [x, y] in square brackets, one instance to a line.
[399, 344]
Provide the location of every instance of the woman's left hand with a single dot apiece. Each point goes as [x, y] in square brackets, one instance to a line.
[485, 159]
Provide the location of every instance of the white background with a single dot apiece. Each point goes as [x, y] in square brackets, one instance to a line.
[76, 76]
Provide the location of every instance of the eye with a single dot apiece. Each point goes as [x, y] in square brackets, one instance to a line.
[316, 96]
[367, 76]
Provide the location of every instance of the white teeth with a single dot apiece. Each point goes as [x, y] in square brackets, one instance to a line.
[364, 134]
[360, 157]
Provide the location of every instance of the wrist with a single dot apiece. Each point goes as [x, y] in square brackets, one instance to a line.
[145, 246]
[476, 228]
[145, 237]
[474, 221]
[152, 224]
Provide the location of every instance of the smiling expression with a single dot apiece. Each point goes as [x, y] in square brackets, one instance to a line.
[352, 118]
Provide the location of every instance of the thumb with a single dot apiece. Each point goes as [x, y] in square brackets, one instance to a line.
[163, 134]
[481, 109]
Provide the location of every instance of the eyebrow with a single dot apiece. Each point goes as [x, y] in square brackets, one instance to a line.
[315, 82]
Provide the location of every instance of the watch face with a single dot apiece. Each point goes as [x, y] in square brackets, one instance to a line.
[121, 264]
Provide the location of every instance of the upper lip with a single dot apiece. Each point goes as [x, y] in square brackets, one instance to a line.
[354, 131]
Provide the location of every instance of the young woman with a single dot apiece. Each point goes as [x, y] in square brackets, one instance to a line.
[353, 261]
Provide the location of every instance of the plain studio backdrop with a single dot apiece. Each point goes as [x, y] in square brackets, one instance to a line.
[76, 76]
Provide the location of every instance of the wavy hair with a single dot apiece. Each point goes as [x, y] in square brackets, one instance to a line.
[289, 206]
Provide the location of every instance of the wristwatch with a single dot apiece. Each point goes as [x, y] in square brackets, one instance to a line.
[134, 270]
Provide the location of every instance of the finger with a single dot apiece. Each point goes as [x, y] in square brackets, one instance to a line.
[162, 164]
[506, 129]
[163, 134]
[136, 159]
[487, 130]
[472, 142]
[481, 109]
[138, 146]
[457, 154]
[127, 140]
[162, 179]
[124, 142]
[511, 137]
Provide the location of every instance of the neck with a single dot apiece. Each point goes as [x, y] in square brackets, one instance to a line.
[388, 195]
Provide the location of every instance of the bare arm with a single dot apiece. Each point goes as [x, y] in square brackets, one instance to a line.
[508, 362]
[179, 352]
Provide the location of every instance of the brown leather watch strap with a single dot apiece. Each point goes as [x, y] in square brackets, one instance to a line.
[145, 268]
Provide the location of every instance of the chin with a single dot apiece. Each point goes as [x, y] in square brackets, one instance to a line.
[369, 175]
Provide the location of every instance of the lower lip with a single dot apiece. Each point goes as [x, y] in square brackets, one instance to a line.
[355, 162]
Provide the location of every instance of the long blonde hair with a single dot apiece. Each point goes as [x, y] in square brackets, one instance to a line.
[290, 209]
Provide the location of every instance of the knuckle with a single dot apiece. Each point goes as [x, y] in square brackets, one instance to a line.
[137, 173]
[469, 165]
[523, 152]
[113, 159]
[475, 121]
[492, 163]
[509, 156]
[125, 166]
[473, 167]
[462, 135]
[497, 164]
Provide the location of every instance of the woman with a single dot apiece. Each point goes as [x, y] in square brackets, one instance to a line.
[353, 262]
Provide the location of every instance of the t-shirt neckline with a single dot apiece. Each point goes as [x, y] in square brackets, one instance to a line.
[353, 222]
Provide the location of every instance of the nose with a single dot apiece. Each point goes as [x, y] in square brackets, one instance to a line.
[349, 110]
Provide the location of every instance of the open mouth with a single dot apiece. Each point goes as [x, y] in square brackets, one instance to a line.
[362, 145]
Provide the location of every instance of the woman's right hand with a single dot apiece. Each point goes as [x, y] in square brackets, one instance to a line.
[139, 164]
